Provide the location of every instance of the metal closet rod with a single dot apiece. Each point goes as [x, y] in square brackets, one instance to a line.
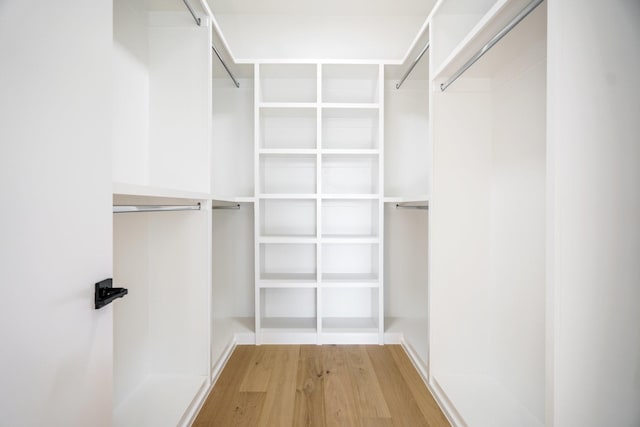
[510, 26]
[415, 62]
[236, 206]
[195, 18]
[154, 208]
[225, 66]
[421, 207]
[199, 22]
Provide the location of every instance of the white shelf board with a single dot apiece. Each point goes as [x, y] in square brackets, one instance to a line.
[349, 324]
[352, 151]
[286, 151]
[288, 277]
[287, 196]
[123, 189]
[287, 239]
[346, 239]
[292, 284]
[418, 198]
[350, 105]
[368, 280]
[284, 324]
[359, 196]
[159, 401]
[287, 105]
[488, 26]
[243, 199]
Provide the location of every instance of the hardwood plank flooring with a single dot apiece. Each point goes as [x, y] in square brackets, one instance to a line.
[308, 385]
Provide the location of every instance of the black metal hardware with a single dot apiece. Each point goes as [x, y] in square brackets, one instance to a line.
[106, 293]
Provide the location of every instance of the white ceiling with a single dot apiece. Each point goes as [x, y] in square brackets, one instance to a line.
[323, 7]
[319, 29]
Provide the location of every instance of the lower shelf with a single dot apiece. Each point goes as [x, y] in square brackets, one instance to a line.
[160, 400]
[289, 324]
[349, 324]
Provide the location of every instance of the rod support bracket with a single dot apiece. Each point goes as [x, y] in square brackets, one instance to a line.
[105, 293]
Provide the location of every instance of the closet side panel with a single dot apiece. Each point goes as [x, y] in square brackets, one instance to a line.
[179, 292]
[517, 339]
[131, 344]
[130, 92]
[459, 219]
[594, 211]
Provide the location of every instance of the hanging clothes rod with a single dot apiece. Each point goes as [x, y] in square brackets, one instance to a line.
[225, 66]
[511, 25]
[154, 208]
[199, 22]
[421, 207]
[236, 206]
[415, 62]
[195, 18]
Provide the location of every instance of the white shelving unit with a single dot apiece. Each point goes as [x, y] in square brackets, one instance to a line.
[161, 156]
[408, 167]
[318, 221]
[161, 328]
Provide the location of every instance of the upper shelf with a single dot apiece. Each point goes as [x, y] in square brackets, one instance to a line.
[151, 191]
[471, 38]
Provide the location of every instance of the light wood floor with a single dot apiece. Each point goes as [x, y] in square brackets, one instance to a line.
[282, 386]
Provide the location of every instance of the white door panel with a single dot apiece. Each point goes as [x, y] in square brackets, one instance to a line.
[55, 212]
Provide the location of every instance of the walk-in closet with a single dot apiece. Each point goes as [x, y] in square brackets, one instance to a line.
[445, 188]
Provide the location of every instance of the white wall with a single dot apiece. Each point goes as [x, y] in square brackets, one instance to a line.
[594, 213]
[55, 222]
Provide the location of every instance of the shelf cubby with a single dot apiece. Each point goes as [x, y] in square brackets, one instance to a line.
[287, 261]
[288, 309]
[288, 83]
[350, 262]
[288, 128]
[287, 174]
[349, 174]
[350, 128]
[350, 218]
[288, 218]
[346, 83]
[350, 310]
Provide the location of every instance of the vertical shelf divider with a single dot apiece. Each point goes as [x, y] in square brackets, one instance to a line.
[256, 191]
[319, 191]
[381, 204]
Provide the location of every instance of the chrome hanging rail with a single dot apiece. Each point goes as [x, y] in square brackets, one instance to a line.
[421, 207]
[199, 22]
[225, 66]
[195, 18]
[154, 208]
[415, 62]
[236, 206]
[519, 17]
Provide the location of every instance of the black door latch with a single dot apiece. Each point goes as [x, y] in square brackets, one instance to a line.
[106, 293]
